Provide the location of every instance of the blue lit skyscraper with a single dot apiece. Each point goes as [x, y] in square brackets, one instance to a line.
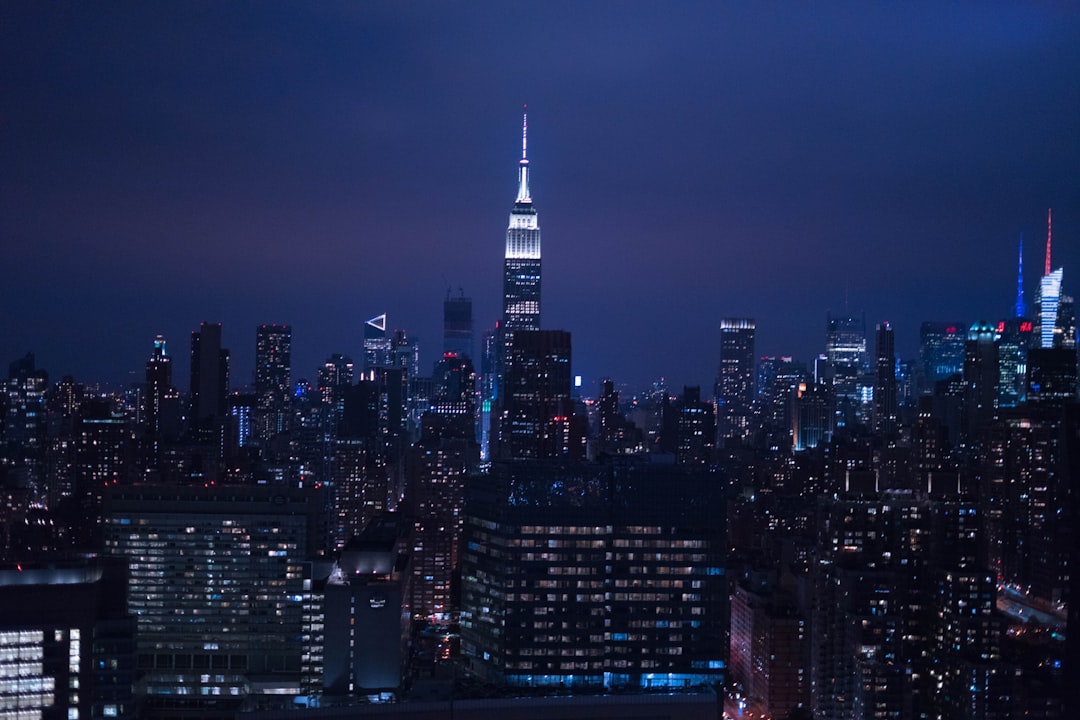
[942, 350]
[1049, 299]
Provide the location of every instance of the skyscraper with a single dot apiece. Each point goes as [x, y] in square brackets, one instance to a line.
[273, 364]
[537, 405]
[845, 349]
[158, 382]
[942, 350]
[632, 594]
[1053, 327]
[735, 378]
[521, 273]
[1048, 301]
[378, 345]
[209, 375]
[216, 588]
[1021, 308]
[885, 380]
[981, 377]
[458, 326]
[335, 376]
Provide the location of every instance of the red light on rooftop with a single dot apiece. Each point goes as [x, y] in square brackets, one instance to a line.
[951, 330]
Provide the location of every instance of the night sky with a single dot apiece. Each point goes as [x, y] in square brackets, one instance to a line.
[318, 164]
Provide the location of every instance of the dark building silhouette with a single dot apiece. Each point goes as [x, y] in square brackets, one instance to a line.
[981, 376]
[458, 326]
[536, 404]
[25, 421]
[690, 428]
[357, 629]
[885, 403]
[1051, 375]
[813, 415]
[209, 377]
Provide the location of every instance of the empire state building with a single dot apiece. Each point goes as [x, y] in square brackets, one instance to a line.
[521, 273]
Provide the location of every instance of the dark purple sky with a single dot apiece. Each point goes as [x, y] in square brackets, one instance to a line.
[318, 164]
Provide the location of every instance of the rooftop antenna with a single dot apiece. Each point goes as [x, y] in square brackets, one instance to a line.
[524, 133]
[523, 165]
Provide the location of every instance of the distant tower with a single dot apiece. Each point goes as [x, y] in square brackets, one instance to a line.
[885, 380]
[209, 375]
[521, 275]
[458, 326]
[1050, 331]
[1048, 302]
[981, 377]
[162, 401]
[273, 364]
[735, 378]
[1020, 308]
[377, 343]
[158, 383]
[845, 350]
[335, 376]
[942, 351]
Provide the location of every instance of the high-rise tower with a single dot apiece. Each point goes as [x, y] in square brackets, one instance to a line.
[735, 378]
[885, 411]
[521, 276]
[273, 364]
[1049, 298]
[209, 375]
[458, 325]
[1020, 308]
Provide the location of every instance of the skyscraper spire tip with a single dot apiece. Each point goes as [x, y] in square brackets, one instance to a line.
[1049, 235]
[524, 133]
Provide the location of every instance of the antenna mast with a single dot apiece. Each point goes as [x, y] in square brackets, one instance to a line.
[1049, 234]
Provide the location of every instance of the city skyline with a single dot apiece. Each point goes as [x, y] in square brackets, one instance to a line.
[331, 164]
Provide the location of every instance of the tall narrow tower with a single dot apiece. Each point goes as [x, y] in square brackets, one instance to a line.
[521, 275]
[1020, 308]
[735, 378]
[1049, 297]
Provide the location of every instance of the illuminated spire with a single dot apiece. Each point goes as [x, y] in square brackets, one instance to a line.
[1049, 234]
[523, 166]
[1020, 280]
